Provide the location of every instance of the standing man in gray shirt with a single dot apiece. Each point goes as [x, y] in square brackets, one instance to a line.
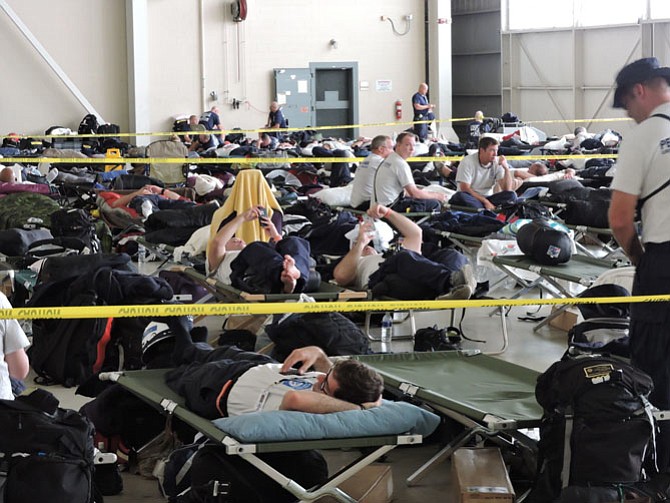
[640, 184]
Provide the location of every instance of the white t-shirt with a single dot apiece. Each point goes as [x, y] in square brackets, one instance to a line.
[364, 180]
[367, 265]
[263, 387]
[481, 178]
[12, 338]
[643, 165]
[224, 270]
[393, 175]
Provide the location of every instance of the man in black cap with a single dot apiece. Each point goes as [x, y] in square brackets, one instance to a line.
[643, 179]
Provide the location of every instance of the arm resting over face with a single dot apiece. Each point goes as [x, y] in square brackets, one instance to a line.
[622, 222]
[315, 403]
[308, 356]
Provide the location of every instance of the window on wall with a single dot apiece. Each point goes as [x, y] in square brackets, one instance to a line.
[542, 14]
[659, 9]
[606, 12]
[538, 14]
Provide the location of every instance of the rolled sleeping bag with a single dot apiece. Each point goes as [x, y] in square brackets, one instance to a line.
[544, 243]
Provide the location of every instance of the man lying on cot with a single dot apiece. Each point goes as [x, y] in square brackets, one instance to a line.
[227, 381]
[149, 199]
[407, 274]
[280, 266]
[536, 173]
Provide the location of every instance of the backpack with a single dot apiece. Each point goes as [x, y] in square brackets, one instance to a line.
[26, 210]
[433, 339]
[543, 242]
[336, 334]
[48, 444]
[69, 351]
[88, 125]
[76, 223]
[218, 477]
[111, 129]
[597, 428]
[181, 125]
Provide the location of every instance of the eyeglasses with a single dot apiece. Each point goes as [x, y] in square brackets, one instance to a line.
[323, 387]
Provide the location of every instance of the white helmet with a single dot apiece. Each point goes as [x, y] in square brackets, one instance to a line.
[154, 333]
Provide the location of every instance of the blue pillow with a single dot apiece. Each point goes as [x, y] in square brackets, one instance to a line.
[391, 418]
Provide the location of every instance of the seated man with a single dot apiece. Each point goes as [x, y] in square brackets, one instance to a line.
[276, 119]
[267, 141]
[202, 142]
[227, 381]
[211, 120]
[361, 191]
[281, 266]
[477, 175]
[406, 274]
[394, 185]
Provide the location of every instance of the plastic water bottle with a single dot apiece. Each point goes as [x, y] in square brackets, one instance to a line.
[376, 241]
[141, 257]
[387, 329]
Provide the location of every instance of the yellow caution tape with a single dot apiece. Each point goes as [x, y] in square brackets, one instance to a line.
[271, 160]
[297, 307]
[311, 128]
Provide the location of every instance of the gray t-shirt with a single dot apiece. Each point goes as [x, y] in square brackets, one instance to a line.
[393, 175]
[643, 165]
[481, 178]
[364, 179]
[12, 338]
[262, 388]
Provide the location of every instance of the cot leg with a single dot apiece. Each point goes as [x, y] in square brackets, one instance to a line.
[505, 334]
[551, 316]
[442, 455]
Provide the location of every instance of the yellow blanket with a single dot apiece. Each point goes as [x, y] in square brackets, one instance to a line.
[250, 189]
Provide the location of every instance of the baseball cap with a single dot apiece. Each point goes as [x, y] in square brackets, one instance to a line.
[638, 71]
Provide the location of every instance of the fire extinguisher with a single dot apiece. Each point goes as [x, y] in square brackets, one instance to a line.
[398, 109]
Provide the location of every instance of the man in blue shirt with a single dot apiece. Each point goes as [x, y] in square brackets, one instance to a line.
[212, 121]
[423, 111]
[276, 119]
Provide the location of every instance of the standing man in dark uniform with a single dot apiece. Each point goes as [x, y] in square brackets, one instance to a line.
[423, 111]
[276, 119]
[643, 167]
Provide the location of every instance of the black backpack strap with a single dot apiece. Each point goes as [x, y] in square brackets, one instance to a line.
[567, 449]
[4, 472]
[643, 200]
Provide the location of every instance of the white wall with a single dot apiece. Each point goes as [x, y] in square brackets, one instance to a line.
[87, 38]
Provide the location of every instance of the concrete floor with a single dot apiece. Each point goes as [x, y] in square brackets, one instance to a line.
[534, 350]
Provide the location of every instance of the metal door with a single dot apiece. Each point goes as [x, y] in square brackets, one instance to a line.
[293, 93]
[334, 100]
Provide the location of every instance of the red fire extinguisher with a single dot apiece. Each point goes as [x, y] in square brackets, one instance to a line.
[398, 109]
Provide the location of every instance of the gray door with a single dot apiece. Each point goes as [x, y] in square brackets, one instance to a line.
[476, 58]
[335, 98]
[293, 92]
